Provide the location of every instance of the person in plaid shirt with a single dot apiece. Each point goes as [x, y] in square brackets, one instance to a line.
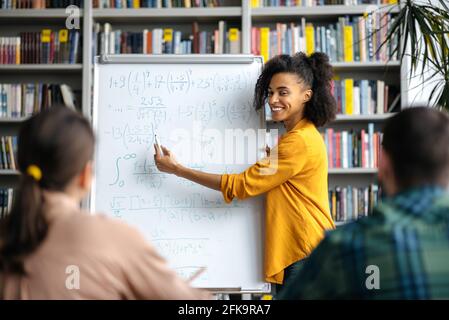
[401, 251]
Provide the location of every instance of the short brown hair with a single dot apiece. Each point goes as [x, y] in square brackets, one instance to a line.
[417, 141]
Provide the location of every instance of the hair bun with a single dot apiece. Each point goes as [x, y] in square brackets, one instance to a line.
[322, 69]
[318, 58]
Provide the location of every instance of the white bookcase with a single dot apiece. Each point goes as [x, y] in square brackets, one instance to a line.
[80, 77]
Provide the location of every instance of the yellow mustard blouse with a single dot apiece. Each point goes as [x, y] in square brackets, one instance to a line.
[294, 178]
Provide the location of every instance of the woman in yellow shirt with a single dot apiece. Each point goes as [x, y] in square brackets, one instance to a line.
[298, 90]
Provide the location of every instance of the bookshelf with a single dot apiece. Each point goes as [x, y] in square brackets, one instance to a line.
[367, 171]
[342, 118]
[40, 68]
[13, 120]
[237, 12]
[317, 12]
[391, 66]
[12, 23]
[33, 15]
[9, 172]
[387, 71]
[162, 15]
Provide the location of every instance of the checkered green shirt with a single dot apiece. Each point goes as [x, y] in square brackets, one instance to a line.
[405, 243]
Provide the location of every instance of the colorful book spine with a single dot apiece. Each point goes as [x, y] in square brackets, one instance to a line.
[137, 4]
[349, 203]
[166, 41]
[363, 97]
[46, 47]
[350, 149]
[349, 39]
[38, 4]
[25, 99]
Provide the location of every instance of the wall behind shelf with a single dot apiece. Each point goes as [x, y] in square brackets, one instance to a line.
[415, 92]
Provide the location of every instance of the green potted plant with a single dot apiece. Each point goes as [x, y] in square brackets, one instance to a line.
[424, 27]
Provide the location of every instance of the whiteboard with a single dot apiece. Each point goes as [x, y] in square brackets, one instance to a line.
[191, 102]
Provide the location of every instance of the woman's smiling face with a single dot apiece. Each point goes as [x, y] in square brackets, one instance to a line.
[287, 97]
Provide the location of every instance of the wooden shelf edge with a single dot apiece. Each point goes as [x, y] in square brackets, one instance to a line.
[71, 68]
[352, 171]
[167, 13]
[355, 118]
[57, 13]
[13, 120]
[9, 172]
[327, 10]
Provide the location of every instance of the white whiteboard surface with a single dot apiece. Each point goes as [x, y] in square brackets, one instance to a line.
[136, 96]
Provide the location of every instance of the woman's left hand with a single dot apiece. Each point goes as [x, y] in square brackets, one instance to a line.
[165, 162]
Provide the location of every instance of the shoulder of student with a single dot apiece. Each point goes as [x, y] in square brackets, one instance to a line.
[344, 235]
[107, 232]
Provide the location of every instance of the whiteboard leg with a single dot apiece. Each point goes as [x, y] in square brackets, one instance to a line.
[246, 296]
[222, 296]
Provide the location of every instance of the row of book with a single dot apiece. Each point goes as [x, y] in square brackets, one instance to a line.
[356, 38]
[364, 97]
[351, 149]
[46, 46]
[38, 4]
[136, 4]
[158, 41]
[361, 97]
[8, 152]
[350, 203]
[26, 99]
[6, 201]
[314, 3]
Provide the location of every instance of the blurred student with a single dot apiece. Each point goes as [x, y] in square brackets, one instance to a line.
[50, 248]
[294, 177]
[402, 250]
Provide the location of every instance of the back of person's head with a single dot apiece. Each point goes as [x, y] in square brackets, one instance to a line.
[53, 148]
[416, 141]
[315, 73]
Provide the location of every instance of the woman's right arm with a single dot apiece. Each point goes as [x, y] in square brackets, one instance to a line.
[287, 159]
[168, 164]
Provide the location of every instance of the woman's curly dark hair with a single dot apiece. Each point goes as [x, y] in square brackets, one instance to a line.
[316, 73]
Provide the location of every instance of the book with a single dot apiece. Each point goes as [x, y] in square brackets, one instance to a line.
[349, 203]
[265, 43]
[349, 92]
[26, 99]
[348, 43]
[234, 40]
[310, 38]
[353, 149]
[346, 40]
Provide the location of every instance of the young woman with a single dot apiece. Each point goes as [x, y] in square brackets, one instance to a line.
[50, 249]
[298, 90]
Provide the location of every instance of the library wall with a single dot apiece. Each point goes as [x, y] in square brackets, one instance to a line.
[336, 27]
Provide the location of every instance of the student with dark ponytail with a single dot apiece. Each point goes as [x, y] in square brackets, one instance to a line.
[50, 248]
[298, 90]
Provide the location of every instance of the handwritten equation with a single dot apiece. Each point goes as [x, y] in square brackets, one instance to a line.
[137, 83]
[209, 110]
[141, 172]
[187, 247]
[132, 134]
[163, 203]
[186, 272]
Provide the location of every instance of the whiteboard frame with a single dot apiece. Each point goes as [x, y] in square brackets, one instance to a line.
[171, 59]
